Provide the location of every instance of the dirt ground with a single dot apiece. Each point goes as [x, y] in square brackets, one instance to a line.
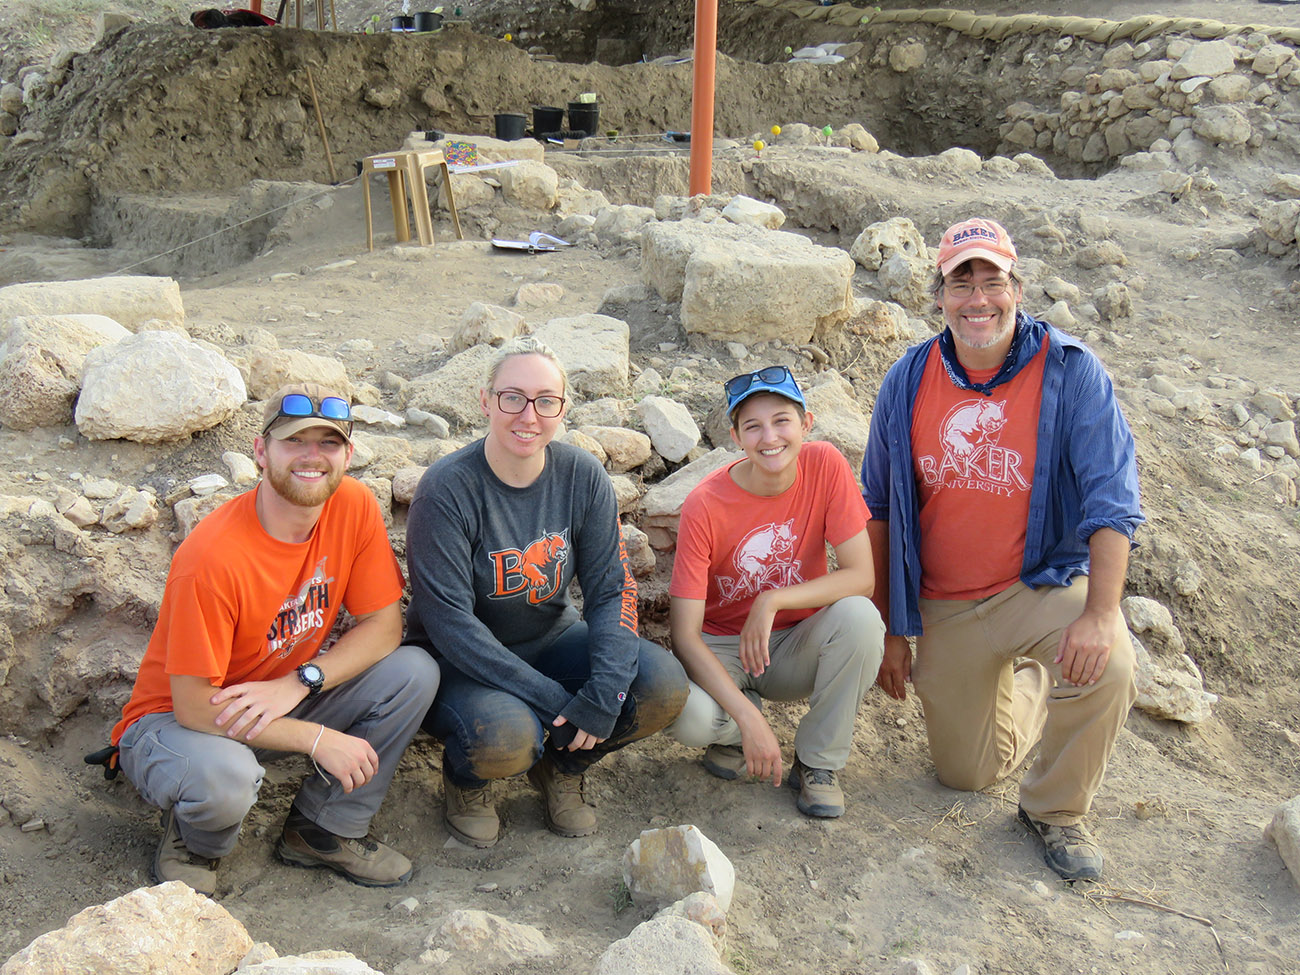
[913, 870]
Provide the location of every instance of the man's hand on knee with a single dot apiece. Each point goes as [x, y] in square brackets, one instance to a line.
[1085, 646]
[896, 667]
[349, 759]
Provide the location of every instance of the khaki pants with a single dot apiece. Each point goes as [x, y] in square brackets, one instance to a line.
[831, 658]
[984, 710]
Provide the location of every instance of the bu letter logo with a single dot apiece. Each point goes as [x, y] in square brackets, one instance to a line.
[537, 569]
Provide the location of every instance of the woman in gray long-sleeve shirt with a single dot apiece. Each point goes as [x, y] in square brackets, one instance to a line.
[497, 532]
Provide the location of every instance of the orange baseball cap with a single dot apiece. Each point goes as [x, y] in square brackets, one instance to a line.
[981, 238]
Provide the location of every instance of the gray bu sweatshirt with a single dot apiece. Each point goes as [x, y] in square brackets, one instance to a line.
[490, 568]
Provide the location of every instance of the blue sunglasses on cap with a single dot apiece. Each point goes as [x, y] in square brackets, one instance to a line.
[299, 405]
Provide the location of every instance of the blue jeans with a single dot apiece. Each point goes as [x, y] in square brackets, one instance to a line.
[492, 734]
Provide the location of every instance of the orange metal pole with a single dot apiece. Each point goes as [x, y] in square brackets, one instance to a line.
[706, 60]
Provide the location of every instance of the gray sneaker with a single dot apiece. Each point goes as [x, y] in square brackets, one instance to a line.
[819, 791]
[363, 861]
[1069, 850]
[175, 861]
[725, 761]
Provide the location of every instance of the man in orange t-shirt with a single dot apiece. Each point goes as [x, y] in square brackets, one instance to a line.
[236, 670]
[755, 610]
[1003, 480]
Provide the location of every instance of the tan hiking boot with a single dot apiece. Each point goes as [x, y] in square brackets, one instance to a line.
[363, 861]
[175, 861]
[819, 791]
[1069, 850]
[725, 761]
[469, 814]
[567, 812]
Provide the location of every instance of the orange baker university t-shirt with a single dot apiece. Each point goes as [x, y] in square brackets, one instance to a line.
[243, 606]
[733, 545]
[973, 459]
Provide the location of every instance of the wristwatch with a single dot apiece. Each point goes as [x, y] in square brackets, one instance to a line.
[312, 677]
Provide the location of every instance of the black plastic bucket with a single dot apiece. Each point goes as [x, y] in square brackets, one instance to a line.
[403, 22]
[427, 20]
[584, 117]
[510, 126]
[547, 118]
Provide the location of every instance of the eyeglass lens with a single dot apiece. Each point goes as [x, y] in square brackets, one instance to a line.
[331, 407]
[544, 406]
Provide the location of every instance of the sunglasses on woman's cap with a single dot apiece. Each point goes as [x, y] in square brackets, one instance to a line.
[770, 379]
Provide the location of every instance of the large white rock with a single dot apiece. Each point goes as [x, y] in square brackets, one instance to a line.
[754, 213]
[664, 865]
[479, 931]
[452, 391]
[269, 369]
[41, 360]
[189, 388]
[672, 430]
[1171, 688]
[594, 350]
[837, 416]
[163, 930]
[1146, 616]
[663, 946]
[624, 449]
[1284, 831]
[662, 504]
[1207, 59]
[737, 282]
[485, 324]
[530, 184]
[883, 239]
[1222, 125]
[128, 300]
[616, 224]
[325, 962]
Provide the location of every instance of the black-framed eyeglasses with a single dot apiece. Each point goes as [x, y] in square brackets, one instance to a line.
[546, 406]
[772, 375]
[299, 405]
[990, 289]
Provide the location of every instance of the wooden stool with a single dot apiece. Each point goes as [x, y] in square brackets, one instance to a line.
[395, 166]
[417, 162]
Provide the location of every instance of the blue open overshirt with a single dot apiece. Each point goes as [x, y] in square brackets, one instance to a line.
[1085, 472]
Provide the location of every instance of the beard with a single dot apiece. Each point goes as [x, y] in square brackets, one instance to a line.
[302, 494]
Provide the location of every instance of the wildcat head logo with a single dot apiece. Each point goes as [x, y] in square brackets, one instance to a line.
[971, 425]
[765, 560]
[537, 569]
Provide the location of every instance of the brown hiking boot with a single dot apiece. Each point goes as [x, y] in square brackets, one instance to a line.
[1069, 850]
[175, 861]
[469, 814]
[725, 761]
[567, 812]
[819, 791]
[363, 861]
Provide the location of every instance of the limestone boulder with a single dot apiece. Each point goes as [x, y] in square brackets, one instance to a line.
[882, 240]
[664, 946]
[470, 189]
[625, 449]
[269, 369]
[324, 962]
[130, 511]
[594, 350]
[1223, 125]
[906, 279]
[1207, 59]
[1284, 831]
[128, 300]
[485, 324]
[662, 504]
[640, 554]
[487, 934]
[41, 361]
[164, 930]
[747, 283]
[405, 481]
[837, 416]
[530, 184]
[664, 865]
[452, 390]
[1171, 688]
[754, 213]
[621, 224]
[670, 425]
[191, 388]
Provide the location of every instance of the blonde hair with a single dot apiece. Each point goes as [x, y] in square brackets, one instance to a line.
[525, 345]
